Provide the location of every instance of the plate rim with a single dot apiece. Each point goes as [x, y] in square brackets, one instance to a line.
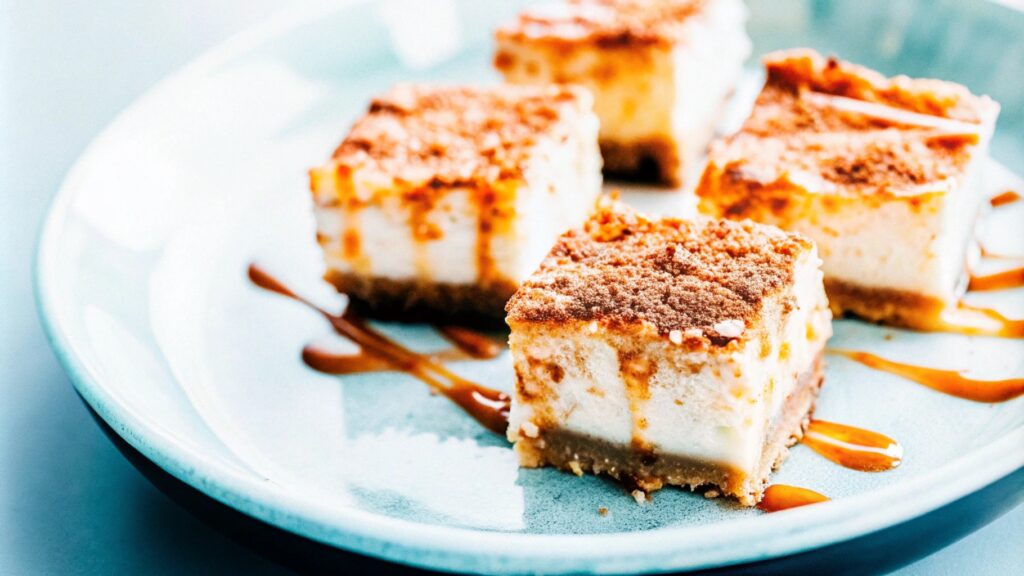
[463, 549]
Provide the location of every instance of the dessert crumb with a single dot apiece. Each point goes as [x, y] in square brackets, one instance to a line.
[602, 511]
[639, 495]
[712, 494]
[576, 468]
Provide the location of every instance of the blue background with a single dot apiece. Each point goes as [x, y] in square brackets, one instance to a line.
[69, 503]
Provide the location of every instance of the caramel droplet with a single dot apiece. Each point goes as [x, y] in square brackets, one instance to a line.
[1004, 198]
[853, 447]
[783, 497]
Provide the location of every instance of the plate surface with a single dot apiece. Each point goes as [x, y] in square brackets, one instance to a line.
[141, 281]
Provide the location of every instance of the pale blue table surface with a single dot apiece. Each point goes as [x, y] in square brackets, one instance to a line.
[69, 503]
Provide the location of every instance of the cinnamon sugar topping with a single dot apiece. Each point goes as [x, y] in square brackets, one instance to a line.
[447, 135]
[804, 69]
[849, 129]
[857, 163]
[703, 278]
[607, 23]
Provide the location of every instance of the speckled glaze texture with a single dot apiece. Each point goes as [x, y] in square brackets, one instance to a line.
[142, 286]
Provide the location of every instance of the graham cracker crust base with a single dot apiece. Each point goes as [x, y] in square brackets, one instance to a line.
[578, 453]
[655, 160]
[883, 305]
[418, 301]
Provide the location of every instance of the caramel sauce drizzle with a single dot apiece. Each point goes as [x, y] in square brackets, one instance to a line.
[488, 406]
[1012, 278]
[1004, 198]
[328, 361]
[351, 239]
[783, 497]
[636, 371]
[951, 382]
[352, 243]
[469, 345]
[976, 321]
[853, 447]
[421, 202]
[472, 343]
[486, 201]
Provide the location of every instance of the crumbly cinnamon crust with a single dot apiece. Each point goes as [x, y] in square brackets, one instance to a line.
[652, 160]
[623, 267]
[883, 305]
[576, 453]
[418, 301]
[605, 23]
[454, 135]
[797, 130]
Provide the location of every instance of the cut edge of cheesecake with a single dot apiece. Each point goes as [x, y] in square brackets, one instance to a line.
[578, 453]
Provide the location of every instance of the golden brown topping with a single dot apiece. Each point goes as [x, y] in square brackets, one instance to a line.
[887, 161]
[803, 69]
[833, 126]
[608, 23]
[445, 135]
[703, 277]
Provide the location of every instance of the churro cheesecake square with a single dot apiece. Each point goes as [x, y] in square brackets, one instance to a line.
[668, 352]
[883, 173]
[660, 72]
[442, 199]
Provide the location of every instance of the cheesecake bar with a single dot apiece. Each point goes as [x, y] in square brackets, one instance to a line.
[441, 199]
[882, 173]
[668, 352]
[659, 71]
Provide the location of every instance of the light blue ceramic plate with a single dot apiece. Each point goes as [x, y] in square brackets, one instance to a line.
[141, 280]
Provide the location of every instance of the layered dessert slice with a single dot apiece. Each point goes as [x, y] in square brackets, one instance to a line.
[666, 351]
[882, 173]
[659, 70]
[442, 199]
